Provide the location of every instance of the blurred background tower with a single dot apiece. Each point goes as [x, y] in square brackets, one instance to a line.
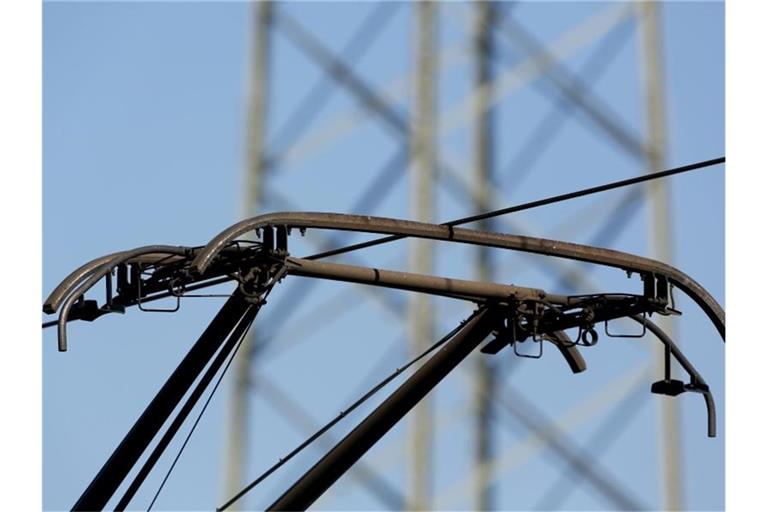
[661, 237]
[257, 117]
[425, 148]
[422, 146]
[482, 43]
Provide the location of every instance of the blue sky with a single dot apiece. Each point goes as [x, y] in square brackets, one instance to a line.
[144, 116]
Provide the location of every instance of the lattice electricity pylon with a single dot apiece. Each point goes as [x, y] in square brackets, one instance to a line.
[503, 53]
[512, 314]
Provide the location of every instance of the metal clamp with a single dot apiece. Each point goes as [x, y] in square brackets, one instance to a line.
[137, 276]
[534, 338]
[612, 335]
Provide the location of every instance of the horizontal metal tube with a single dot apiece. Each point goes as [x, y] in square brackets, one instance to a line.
[458, 288]
[403, 228]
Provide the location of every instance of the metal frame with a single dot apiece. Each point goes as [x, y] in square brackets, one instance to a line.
[91, 272]
[518, 313]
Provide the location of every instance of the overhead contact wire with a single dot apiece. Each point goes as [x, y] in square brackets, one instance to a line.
[533, 204]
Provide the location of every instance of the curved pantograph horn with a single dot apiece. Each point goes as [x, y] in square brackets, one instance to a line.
[54, 300]
[569, 350]
[87, 280]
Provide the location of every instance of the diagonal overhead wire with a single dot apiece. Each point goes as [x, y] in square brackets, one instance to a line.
[533, 204]
[530, 205]
[390, 497]
[360, 401]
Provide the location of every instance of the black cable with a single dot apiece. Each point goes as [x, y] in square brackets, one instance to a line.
[197, 420]
[52, 323]
[277, 278]
[391, 498]
[233, 341]
[344, 413]
[530, 205]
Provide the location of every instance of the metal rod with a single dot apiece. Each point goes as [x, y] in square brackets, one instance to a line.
[127, 453]
[334, 464]
[456, 288]
[369, 224]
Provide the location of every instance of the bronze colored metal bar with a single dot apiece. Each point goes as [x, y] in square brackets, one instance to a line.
[457, 288]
